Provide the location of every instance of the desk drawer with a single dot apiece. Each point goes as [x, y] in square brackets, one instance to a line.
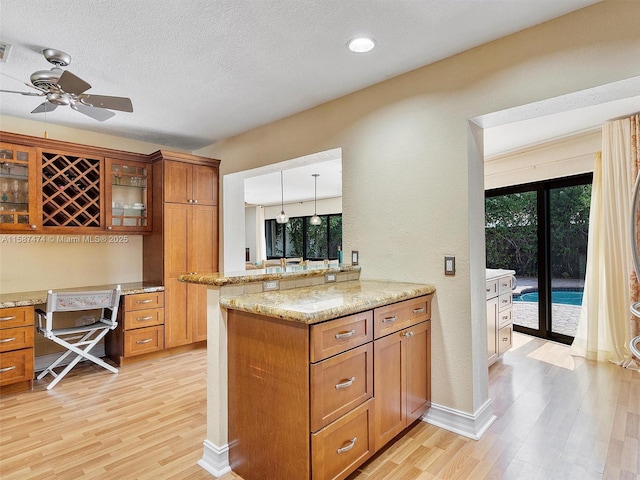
[504, 317]
[339, 384]
[336, 336]
[143, 301]
[341, 447]
[504, 301]
[16, 317]
[16, 366]
[143, 340]
[16, 338]
[143, 318]
[395, 317]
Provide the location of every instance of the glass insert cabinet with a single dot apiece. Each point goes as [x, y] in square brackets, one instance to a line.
[127, 183]
[18, 210]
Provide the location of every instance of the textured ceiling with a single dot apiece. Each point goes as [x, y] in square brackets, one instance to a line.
[201, 70]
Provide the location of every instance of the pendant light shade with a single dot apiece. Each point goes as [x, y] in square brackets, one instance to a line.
[315, 220]
[282, 218]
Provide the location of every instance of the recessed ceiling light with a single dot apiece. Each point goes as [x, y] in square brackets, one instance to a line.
[361, 44]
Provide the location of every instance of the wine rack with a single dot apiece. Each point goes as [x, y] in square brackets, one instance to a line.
[70, 190]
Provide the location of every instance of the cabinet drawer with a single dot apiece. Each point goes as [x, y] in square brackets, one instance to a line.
[143, 301]
[336, 336]
[16, 317]
[395, 317]
[339, 384]
[341, 447]
[505, 285]
[504, 318]
[504, 301]
[492, 288]
[16, 366]
[143, 340]
[143, 318]
[16, 338]
[504, 339]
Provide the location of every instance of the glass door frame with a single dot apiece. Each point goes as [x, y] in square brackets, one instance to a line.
[543, 192]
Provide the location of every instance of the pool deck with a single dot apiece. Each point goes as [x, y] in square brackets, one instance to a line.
[565, 317]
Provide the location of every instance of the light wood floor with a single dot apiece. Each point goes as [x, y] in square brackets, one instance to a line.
[559, 417]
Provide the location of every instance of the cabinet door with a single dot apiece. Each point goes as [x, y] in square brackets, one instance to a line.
[19, 208]
[178, 182]
[418, 363]
[176, 229]
[128, 200]
[203, 240]
[389, 388]
[492, 320]
[205, 185]
[197, 308]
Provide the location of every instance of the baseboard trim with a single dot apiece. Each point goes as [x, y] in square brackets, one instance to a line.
[44, 361]
[470, 426]
[215, 460]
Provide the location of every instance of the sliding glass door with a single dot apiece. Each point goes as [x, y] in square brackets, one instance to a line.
[540, 231]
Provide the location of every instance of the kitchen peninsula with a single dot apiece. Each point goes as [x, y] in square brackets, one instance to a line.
[322, 372]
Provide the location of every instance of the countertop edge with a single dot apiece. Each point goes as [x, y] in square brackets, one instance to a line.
[275, 273]
[363, 303]
[27, 299]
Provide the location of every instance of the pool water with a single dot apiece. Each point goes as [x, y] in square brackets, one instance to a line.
[557, 296]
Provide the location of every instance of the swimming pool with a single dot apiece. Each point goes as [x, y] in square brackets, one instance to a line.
[565, 297]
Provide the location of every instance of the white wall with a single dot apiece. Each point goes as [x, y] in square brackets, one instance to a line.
[408, 182]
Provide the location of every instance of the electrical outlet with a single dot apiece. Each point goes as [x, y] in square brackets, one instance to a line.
[449, 265]
[330, 278]
[270, 285]
[354, 257]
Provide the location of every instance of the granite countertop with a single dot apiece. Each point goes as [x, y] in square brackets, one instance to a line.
[25, 299]
[324, 302]
[265, 274]
[498, 272]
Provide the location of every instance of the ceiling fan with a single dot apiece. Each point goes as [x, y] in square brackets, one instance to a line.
[61, 87]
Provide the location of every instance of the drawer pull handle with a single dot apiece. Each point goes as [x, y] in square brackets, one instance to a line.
[142, 319]
[7, 340]
[144, 301]
[348, 447]
[505, 317]
[505, 300]
[418, 310]
[408, 334]
[345, 334]
[505, 339]
[389, 319]
[139, 342]
[4, 319]
[488, 290]
[346, 383]
[7, 369]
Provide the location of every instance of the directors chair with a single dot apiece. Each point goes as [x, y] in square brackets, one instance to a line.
[73, 338]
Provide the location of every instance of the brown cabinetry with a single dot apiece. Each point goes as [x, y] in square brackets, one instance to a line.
[128, 204]
[140, 327]
[184, 240]
[304, 399]
[16, 349]
[18, 188]
[402, 366]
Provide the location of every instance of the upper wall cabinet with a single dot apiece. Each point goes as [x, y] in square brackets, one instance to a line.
[190, 183]
[126, 187]
[18, 189]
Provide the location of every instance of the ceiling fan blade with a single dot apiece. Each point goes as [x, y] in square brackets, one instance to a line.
[72, 84]
[103, 101]
[45, 107]
[31, 94]
[98, 114]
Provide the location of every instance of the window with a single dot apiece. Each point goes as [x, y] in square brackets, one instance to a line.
[298, 238]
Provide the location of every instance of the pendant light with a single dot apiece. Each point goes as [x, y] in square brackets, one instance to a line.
[282, 218]
[315, 220]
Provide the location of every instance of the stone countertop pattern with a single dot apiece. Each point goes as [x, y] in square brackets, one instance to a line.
[265, 274]
[25, 299]
[324, 302]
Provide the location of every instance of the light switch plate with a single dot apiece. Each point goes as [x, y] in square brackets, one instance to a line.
[449, 265]
[354, 257]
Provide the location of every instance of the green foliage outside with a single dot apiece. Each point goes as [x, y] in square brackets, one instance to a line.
[511, 229]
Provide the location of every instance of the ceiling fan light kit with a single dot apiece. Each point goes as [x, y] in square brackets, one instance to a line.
[61, 87]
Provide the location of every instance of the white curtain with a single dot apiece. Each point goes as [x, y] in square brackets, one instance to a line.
[604, 328]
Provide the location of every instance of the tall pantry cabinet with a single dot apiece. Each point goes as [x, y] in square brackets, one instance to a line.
[184, 240]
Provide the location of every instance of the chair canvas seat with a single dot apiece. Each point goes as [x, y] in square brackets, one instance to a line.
[85, 336]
